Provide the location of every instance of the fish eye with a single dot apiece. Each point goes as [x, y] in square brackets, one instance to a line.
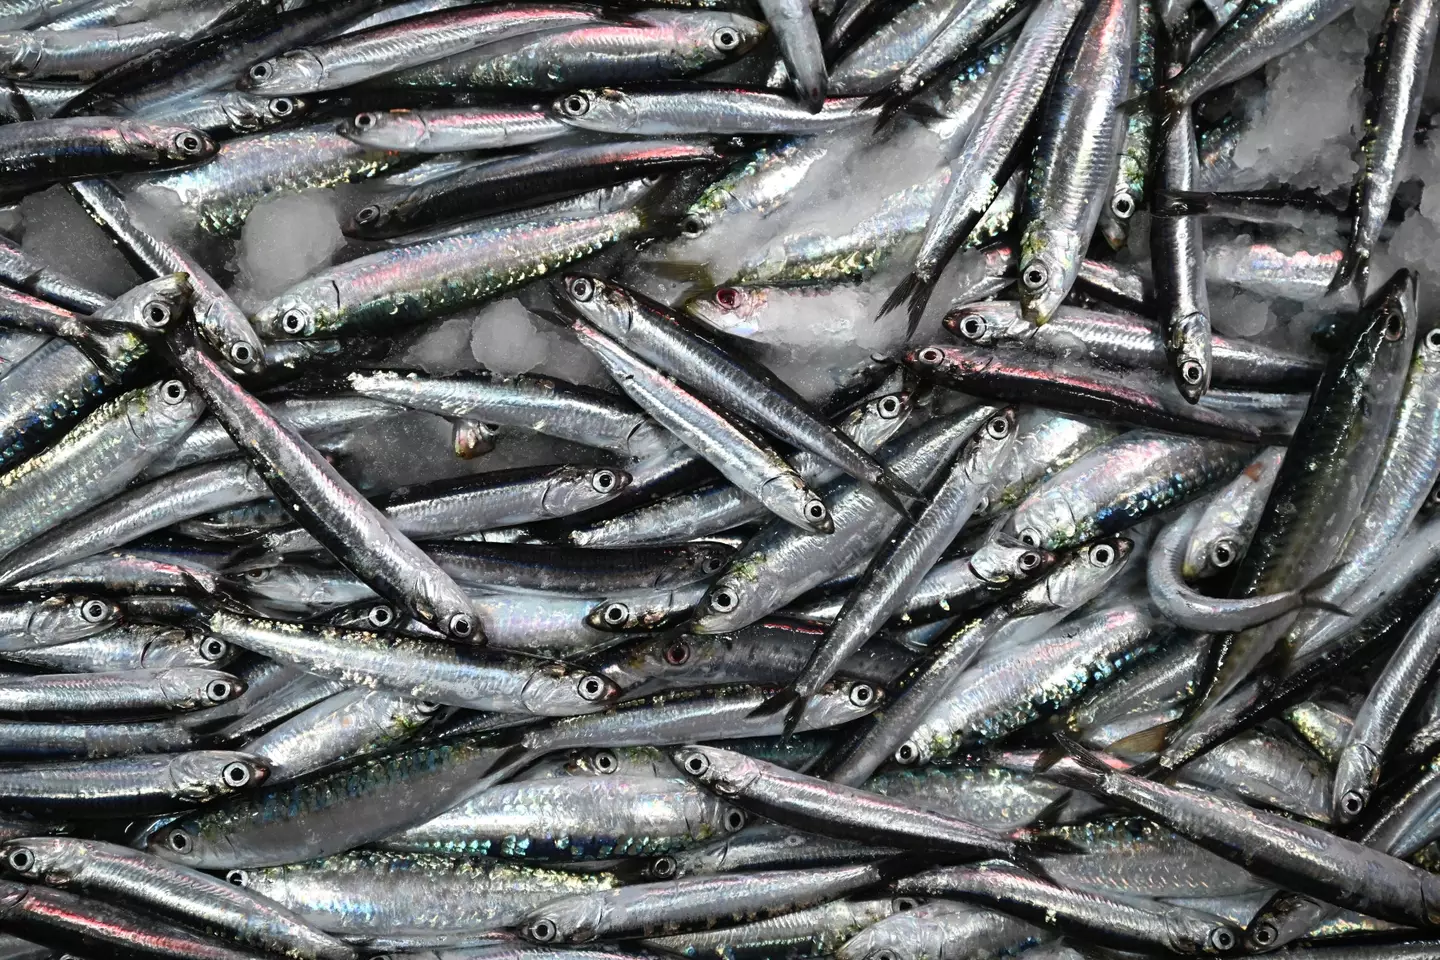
[581, 289]
[998, 428]
[603, 761]
[235, 775]
[1222, 553]
[1264, 934]
[1394, 326]
[727, 297]
[972, 327]
[884, 953]
[218, 691]
[677, 653]
[615, 613]
[603, 481]
[734, 820]
[178, 840]
[575, 105]
[1029, 560]
[242, 353]
[293, 322]
[189, 143]
[94, 611]
[815, 511]
[726, 39]
[364, 121]
[156, 313]
[697, 764]
[543, 930]
[1192, 372]
[905, 903]
[711, 564]
[381, 615]
[237, 877]
[930, 356]
[282, 106]
[462, 625]
[1222, 940]
[261, 72]
[172, 391]
[1102, 554]
[1035, 276]
[214, 648]
[367, 213]
[724, 600]
[907, 753]
[663, 868]
[1352, 803]
[890, 408]
[862, 695]
[591, 687]
[21, 860]
[1030, 537]
[258, 575]
[1122, 205]
[1432, 339]
[692, 226]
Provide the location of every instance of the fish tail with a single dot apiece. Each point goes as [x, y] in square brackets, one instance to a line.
[1180, 203]
[885, 99]
[893, 498]
[778, 703]
[919, 300]
[902, 292]
[515, 758]
[1354, 270]
[1146, 742]
[1085, 771]
[1311, 600]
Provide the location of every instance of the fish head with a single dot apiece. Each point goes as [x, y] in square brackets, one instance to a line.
[1211, 548]
[567, 920]
[1392, 311]
[386, 129]
[53, 861]
[578, 488]
[200, 686]
[726, 772]
[731, 602]
[697, 560]
[1189, 347]
[1190, 932]
[938, 359]
[907, 934]
[202, 775]
[295, 71]
[1002, 560]
[989, 447]
[1049, 263]
[72, 618]
[20, 53]
[608, 306]
[167, 141]
[733, 309]
[559, 690]
[297, 314]
[253, 112]
[652, 612]
[1084, 573]
[151, 306]
[787, 496]
[166, 407]
[713, 37]
[1043, 521]
[990, 324]
[879, 418]
[839, 703]
[606, 110]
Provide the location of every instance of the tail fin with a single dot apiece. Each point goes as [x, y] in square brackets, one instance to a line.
[1147, 743]
[1071, 765]
[1180, 203]
[783, 701]
[1354, 270]
[1313, 602]
[893, 497]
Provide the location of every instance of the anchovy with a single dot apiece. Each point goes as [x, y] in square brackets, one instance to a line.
[900, 565]
[440, 131]
[941, 930]
[1133, 171]
[1127, 341]
[1319, 489]
[29, 624]
[575, 818]
[426, 670]
[353, 57]
[126, 786]
[147, 883]
[1082, 389]
[1223, 530]
[703, 111]
[134, 692]
[991, 150]
[1075, 156]
[24, 273]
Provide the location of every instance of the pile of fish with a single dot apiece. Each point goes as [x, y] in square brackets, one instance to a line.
[907, 572]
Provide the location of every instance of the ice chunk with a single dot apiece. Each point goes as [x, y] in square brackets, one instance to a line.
[58, 233]
[286, 238]
[444, 349]
[507, 339]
